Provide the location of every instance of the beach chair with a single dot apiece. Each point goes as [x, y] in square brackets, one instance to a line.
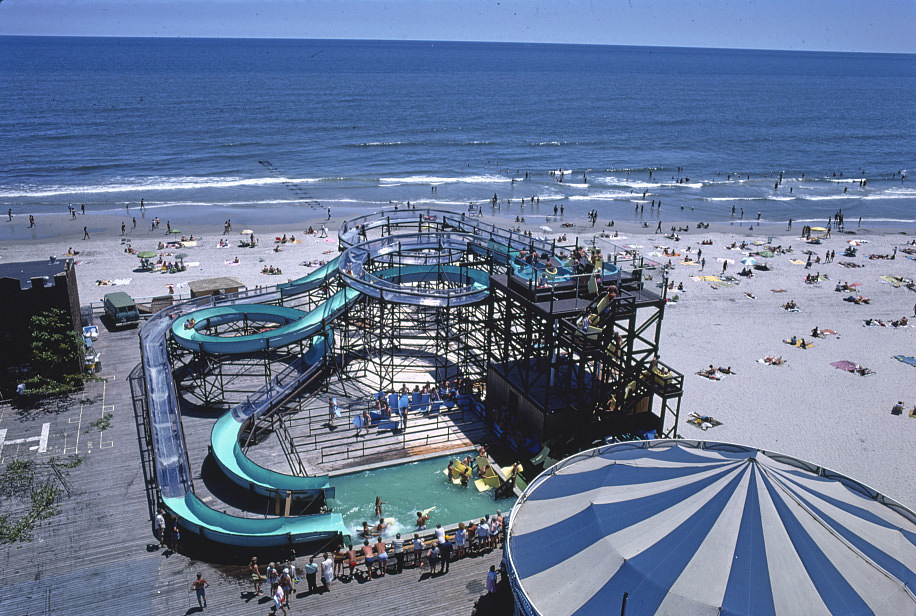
[393, 403]
[415, 401]
[424, 406]
[592, 285]
[403, 403]
[435, 404]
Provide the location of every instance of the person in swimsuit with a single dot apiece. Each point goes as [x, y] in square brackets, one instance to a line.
[369, 557]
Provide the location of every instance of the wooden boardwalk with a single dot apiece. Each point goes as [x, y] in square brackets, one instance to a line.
[97, 554]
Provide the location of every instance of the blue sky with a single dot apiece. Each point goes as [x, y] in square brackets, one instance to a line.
[832, 25]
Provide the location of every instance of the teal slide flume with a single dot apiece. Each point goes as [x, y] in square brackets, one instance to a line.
[295, 325]
[253, 532]
[224, 438]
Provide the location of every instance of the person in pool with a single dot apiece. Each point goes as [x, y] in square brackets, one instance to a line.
[422, 519]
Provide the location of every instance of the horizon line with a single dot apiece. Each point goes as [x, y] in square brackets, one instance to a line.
[457, 41]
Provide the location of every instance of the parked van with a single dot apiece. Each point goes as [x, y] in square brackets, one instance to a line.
[121, 309]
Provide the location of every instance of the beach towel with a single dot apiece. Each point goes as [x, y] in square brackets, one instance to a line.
[906, 359]
[703, 422]
[778, 290]
[848, 366]
[706, 375]
[763, 360]
[796, 261]
[121, 281]
[231, 262]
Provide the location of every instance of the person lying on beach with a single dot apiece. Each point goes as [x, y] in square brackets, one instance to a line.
[790, 305]
[709, 373]
[774, 360]
[727, 370]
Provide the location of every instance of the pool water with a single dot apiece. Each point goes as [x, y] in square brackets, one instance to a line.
[406, 489]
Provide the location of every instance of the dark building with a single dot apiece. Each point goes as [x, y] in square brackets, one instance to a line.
[25, 290]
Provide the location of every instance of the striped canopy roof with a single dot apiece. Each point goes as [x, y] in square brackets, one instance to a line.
[687, 527]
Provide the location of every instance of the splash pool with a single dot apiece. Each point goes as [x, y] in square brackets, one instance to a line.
[407, 488]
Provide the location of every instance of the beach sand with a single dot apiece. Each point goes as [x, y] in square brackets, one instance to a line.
[806, 408]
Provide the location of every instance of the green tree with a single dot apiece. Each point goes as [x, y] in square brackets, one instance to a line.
[57, 353]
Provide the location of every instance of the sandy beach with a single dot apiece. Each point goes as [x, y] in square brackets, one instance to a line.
[806, 407]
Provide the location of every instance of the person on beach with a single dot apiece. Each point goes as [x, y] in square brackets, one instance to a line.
[9, 213]
[199, 586]
[31, 221]
[378, 506]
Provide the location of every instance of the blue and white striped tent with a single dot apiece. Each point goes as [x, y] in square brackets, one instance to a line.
[687, 527]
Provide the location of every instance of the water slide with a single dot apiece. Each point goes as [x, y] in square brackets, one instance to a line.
[295, 325]
[224, 438]
[172, 467]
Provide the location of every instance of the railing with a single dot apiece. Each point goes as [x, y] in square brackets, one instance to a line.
[440, 427]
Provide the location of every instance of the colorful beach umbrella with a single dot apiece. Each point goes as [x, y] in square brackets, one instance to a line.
[749, 261]
[818, 229]
[545, 228]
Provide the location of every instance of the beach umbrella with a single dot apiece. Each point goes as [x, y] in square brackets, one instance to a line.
[697, 528]
[723, 260]
[146, 254]
[854, 242]
[174, 231]
[749, 261]
[818, 229]
[766, 253]
[545, 228]
[247, 232]
[180, 256]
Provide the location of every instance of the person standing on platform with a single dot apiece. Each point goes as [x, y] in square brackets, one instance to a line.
[175, 536]
[397, 545]
[199, 586]
[445, 553]
[311, 575]
[278, 602]
[327, 571]
[334, 412]
[256, 577]
[159, 527]
[491, 580]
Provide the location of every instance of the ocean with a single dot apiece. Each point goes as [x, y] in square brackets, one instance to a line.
[261, 129]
